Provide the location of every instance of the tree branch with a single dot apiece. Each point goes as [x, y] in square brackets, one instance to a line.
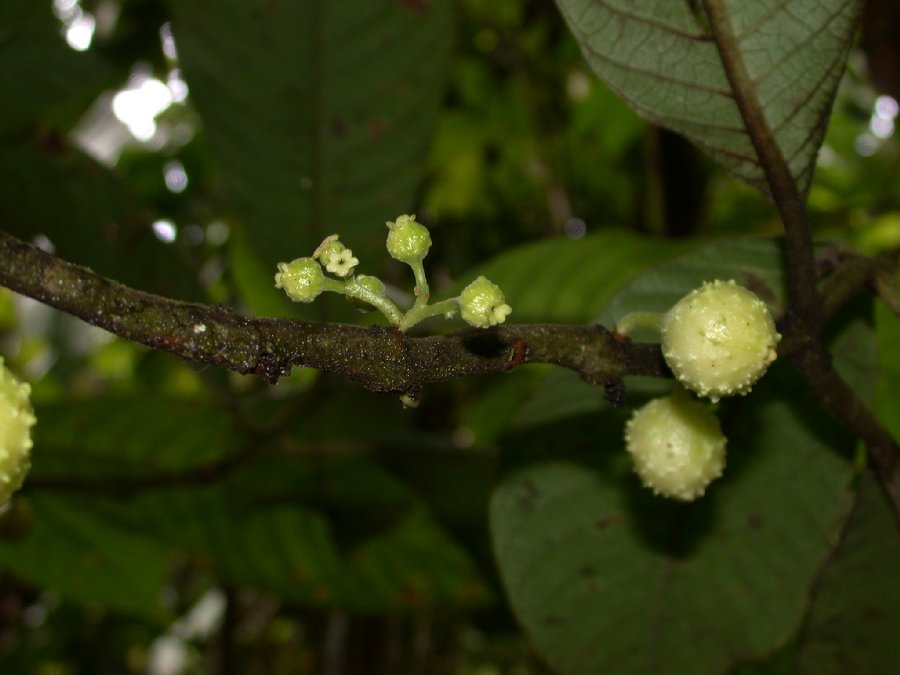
[805, 302]
[381, 359]
[814, 365]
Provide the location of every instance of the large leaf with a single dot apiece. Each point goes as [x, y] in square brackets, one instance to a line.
[319, 113]
[606, 577]
[666, 59]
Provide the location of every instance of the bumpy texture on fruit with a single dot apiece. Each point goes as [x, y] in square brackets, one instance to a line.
[408, 241]
[302, 279]
[16, 420]
[482, 304]
[719, 339]
[676, 446]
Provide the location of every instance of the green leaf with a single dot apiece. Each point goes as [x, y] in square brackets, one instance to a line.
[607, 577]
[586, 553]
[887, 327]
[663, 59]
[87, 213]
[337, 533]
[570, 280]
[128, 436]
[319, 113]
[38, 70]
[855, 614]
[69, 550]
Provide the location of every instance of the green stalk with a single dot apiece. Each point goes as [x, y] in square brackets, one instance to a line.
[419, 312]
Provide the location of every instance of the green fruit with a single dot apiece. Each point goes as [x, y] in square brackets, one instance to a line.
[719, 339]
[408, 240]
[482, 304]
[676, 446]
[16, 419]
[302, 279]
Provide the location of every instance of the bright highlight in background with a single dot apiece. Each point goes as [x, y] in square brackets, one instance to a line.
[165, 230]
[137, 105]
[78, 25]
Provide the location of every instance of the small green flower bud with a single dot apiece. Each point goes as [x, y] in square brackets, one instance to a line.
[302, 279]
[408, 241]
[719, 339]
[482, 304]
[676, 445]
[371, 284]
[16, 419]
[335, 257]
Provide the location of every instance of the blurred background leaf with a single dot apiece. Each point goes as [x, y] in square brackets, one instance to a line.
[319, 114]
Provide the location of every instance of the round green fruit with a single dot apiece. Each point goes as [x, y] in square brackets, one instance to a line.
[676, 446]
[482, 304]
[408, 240]
[16, 420]
[719, 339]
[302, 279]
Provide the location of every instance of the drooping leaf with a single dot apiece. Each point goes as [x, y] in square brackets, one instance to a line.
[665, 58]
[319, 113]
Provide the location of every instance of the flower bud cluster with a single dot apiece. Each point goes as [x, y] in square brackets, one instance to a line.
[481, 303]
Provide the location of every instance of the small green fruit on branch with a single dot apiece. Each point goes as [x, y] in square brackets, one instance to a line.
[481, 303]
[676, 446]
[16, 419]
[718, 340]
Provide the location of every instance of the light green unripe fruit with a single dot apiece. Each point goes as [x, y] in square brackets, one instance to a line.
[302, 279]
[676, 446]
[408, 240]
[16, 420]
[482, 304]
[719, 339]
